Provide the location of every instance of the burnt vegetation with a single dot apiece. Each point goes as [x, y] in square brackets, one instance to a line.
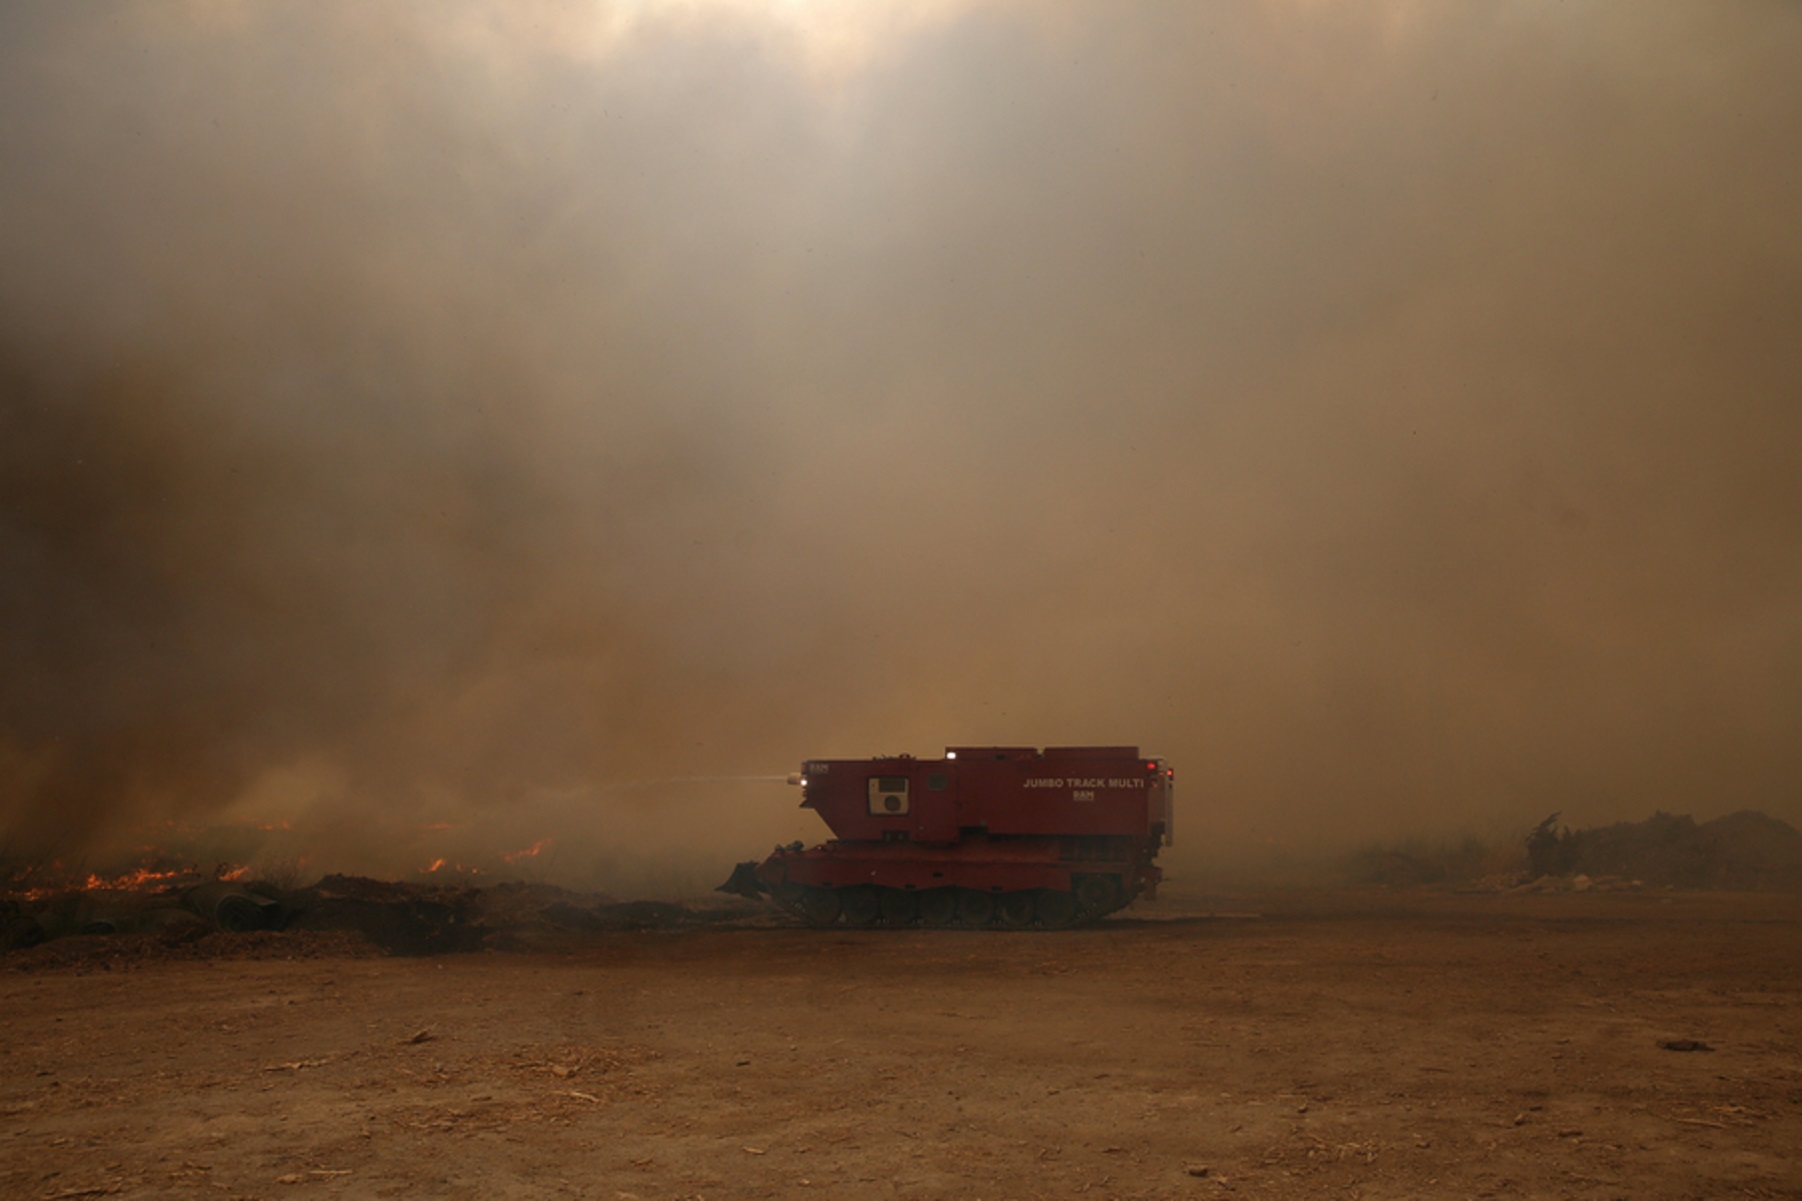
[1744, 851]
[185, 916]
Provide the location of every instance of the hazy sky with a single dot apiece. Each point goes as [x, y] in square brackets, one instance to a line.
[1391, 414]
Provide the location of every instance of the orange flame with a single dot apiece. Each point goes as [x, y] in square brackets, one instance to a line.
[142, 878]
[529, 852]
[136, 879]
[455, 869]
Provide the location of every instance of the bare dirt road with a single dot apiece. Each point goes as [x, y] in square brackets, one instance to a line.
[1345, 1045]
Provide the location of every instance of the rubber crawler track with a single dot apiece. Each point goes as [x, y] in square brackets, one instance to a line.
[873, 907]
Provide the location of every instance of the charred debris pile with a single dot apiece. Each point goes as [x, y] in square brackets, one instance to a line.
[181, 913]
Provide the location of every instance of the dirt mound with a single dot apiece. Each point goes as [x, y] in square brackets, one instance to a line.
[404, 919]
[416, 919]
[1743, 851]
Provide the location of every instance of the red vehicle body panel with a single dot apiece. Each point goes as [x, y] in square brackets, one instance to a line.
[996, 820]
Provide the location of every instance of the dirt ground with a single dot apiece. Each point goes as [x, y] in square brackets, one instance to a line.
[1322, 1045]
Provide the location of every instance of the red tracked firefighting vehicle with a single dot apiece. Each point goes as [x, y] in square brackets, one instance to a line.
[987, 835]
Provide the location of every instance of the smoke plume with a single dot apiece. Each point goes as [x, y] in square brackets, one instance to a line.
[429, 414]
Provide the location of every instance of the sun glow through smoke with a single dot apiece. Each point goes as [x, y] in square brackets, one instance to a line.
[836, 38]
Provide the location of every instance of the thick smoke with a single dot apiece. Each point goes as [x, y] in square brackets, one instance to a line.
[417, 416]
